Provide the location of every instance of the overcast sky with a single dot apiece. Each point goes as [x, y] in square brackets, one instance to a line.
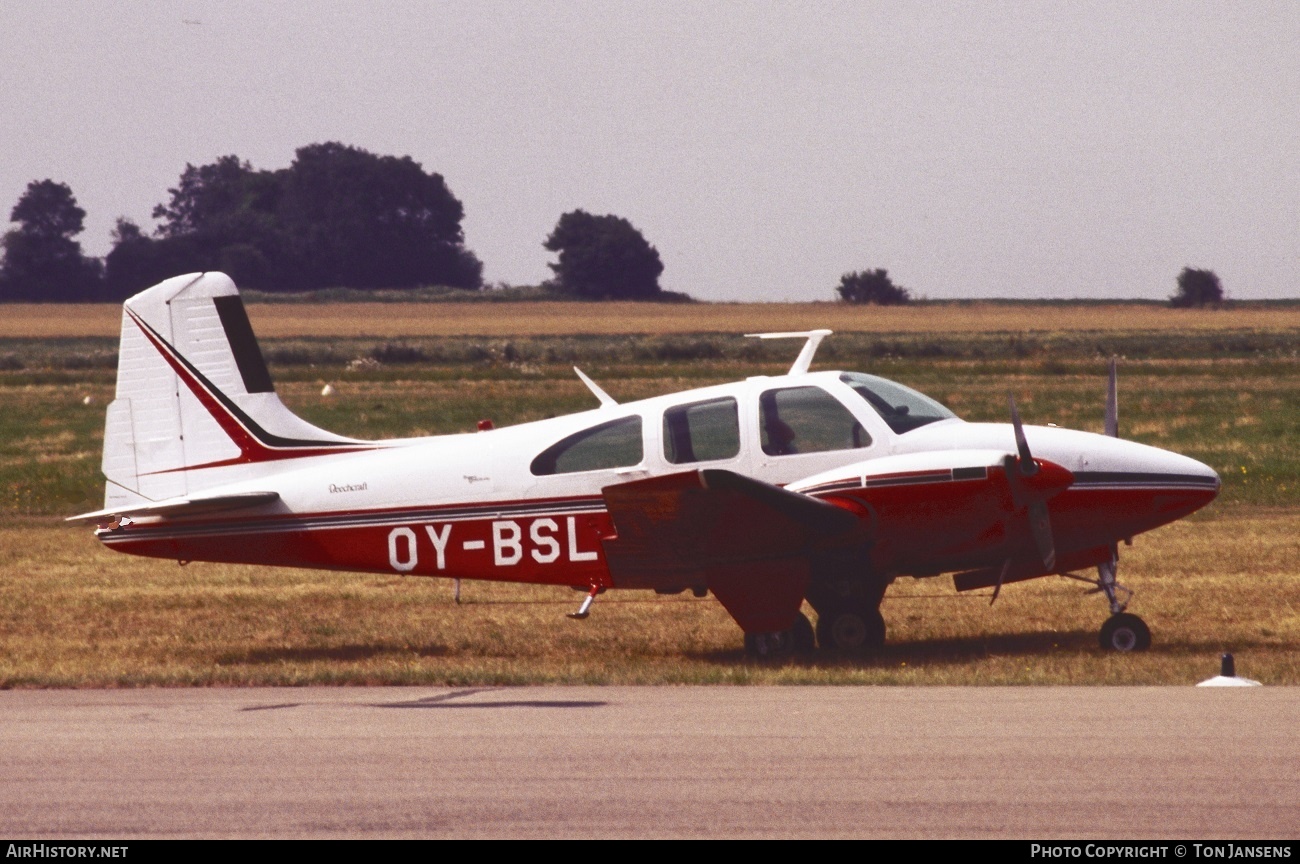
[1028, 149]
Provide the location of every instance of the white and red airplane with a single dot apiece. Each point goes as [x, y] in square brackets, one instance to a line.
[817, 486]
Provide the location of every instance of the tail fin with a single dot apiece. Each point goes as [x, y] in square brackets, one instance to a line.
[195, 406]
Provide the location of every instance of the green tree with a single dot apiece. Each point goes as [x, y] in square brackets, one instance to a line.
[220, 216]
[365, 221]
[872, 286]
[208, 195]
[603, 257]
[136, 261]
[223, 216]
[41, 260]
[1197, 288]
[338, 216]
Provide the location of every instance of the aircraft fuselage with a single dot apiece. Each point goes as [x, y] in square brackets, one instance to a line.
[467, 506]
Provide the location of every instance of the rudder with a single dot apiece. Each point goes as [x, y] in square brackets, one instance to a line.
[195, 406]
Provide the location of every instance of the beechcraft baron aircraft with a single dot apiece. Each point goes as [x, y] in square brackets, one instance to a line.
[817, 486]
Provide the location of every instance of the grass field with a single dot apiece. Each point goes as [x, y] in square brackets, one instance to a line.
[1221, 389]
[77, 615]
[385, 320]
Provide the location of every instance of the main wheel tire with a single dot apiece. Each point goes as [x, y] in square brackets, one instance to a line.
[1123, 632]
[781, 644]
[770, 647]
[851, 629]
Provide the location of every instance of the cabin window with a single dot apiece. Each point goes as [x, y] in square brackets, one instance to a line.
[901, 407]
[807, 420]
[702, 431]
[616, 444]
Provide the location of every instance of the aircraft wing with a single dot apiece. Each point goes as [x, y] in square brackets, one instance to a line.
[748, 541]
[189, 506]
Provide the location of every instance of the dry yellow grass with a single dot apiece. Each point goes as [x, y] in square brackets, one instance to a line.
[75, 614]
[388, 320]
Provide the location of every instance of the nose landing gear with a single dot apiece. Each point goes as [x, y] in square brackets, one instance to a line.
[1122, 632]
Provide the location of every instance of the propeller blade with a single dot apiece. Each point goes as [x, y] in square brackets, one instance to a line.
[1112, 402]
[1041, 528]
[1028, 467]
[1040, 525]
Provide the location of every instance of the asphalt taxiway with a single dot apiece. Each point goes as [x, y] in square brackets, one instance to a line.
[1040, 763]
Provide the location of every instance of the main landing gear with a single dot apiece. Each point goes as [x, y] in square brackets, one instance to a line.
[848, 621]
[848, 613]
[781, 644]
[851, 628]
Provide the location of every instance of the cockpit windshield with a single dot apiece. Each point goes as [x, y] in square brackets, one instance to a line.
[901, 407]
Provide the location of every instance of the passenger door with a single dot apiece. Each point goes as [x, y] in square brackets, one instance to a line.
[802, 430]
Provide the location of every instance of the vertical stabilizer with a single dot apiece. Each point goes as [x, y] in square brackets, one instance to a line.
[195, 406]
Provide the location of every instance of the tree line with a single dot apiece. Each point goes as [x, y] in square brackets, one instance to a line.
[340, 216]
[1196, 288]
[337, 216]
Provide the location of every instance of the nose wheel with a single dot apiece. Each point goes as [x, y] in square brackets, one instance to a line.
[1122, 632]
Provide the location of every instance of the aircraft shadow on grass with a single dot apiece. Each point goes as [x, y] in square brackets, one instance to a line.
[339, 653]
[940, 650]
[965, 649]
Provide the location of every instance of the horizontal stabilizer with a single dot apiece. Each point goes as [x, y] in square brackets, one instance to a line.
[192, 506]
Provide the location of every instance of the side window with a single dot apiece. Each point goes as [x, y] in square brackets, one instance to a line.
[702, 431]
[616, 444]
[807, 420]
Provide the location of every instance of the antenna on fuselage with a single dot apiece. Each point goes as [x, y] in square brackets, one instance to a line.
[606, 401]
[1112, 401]
[805, 358]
